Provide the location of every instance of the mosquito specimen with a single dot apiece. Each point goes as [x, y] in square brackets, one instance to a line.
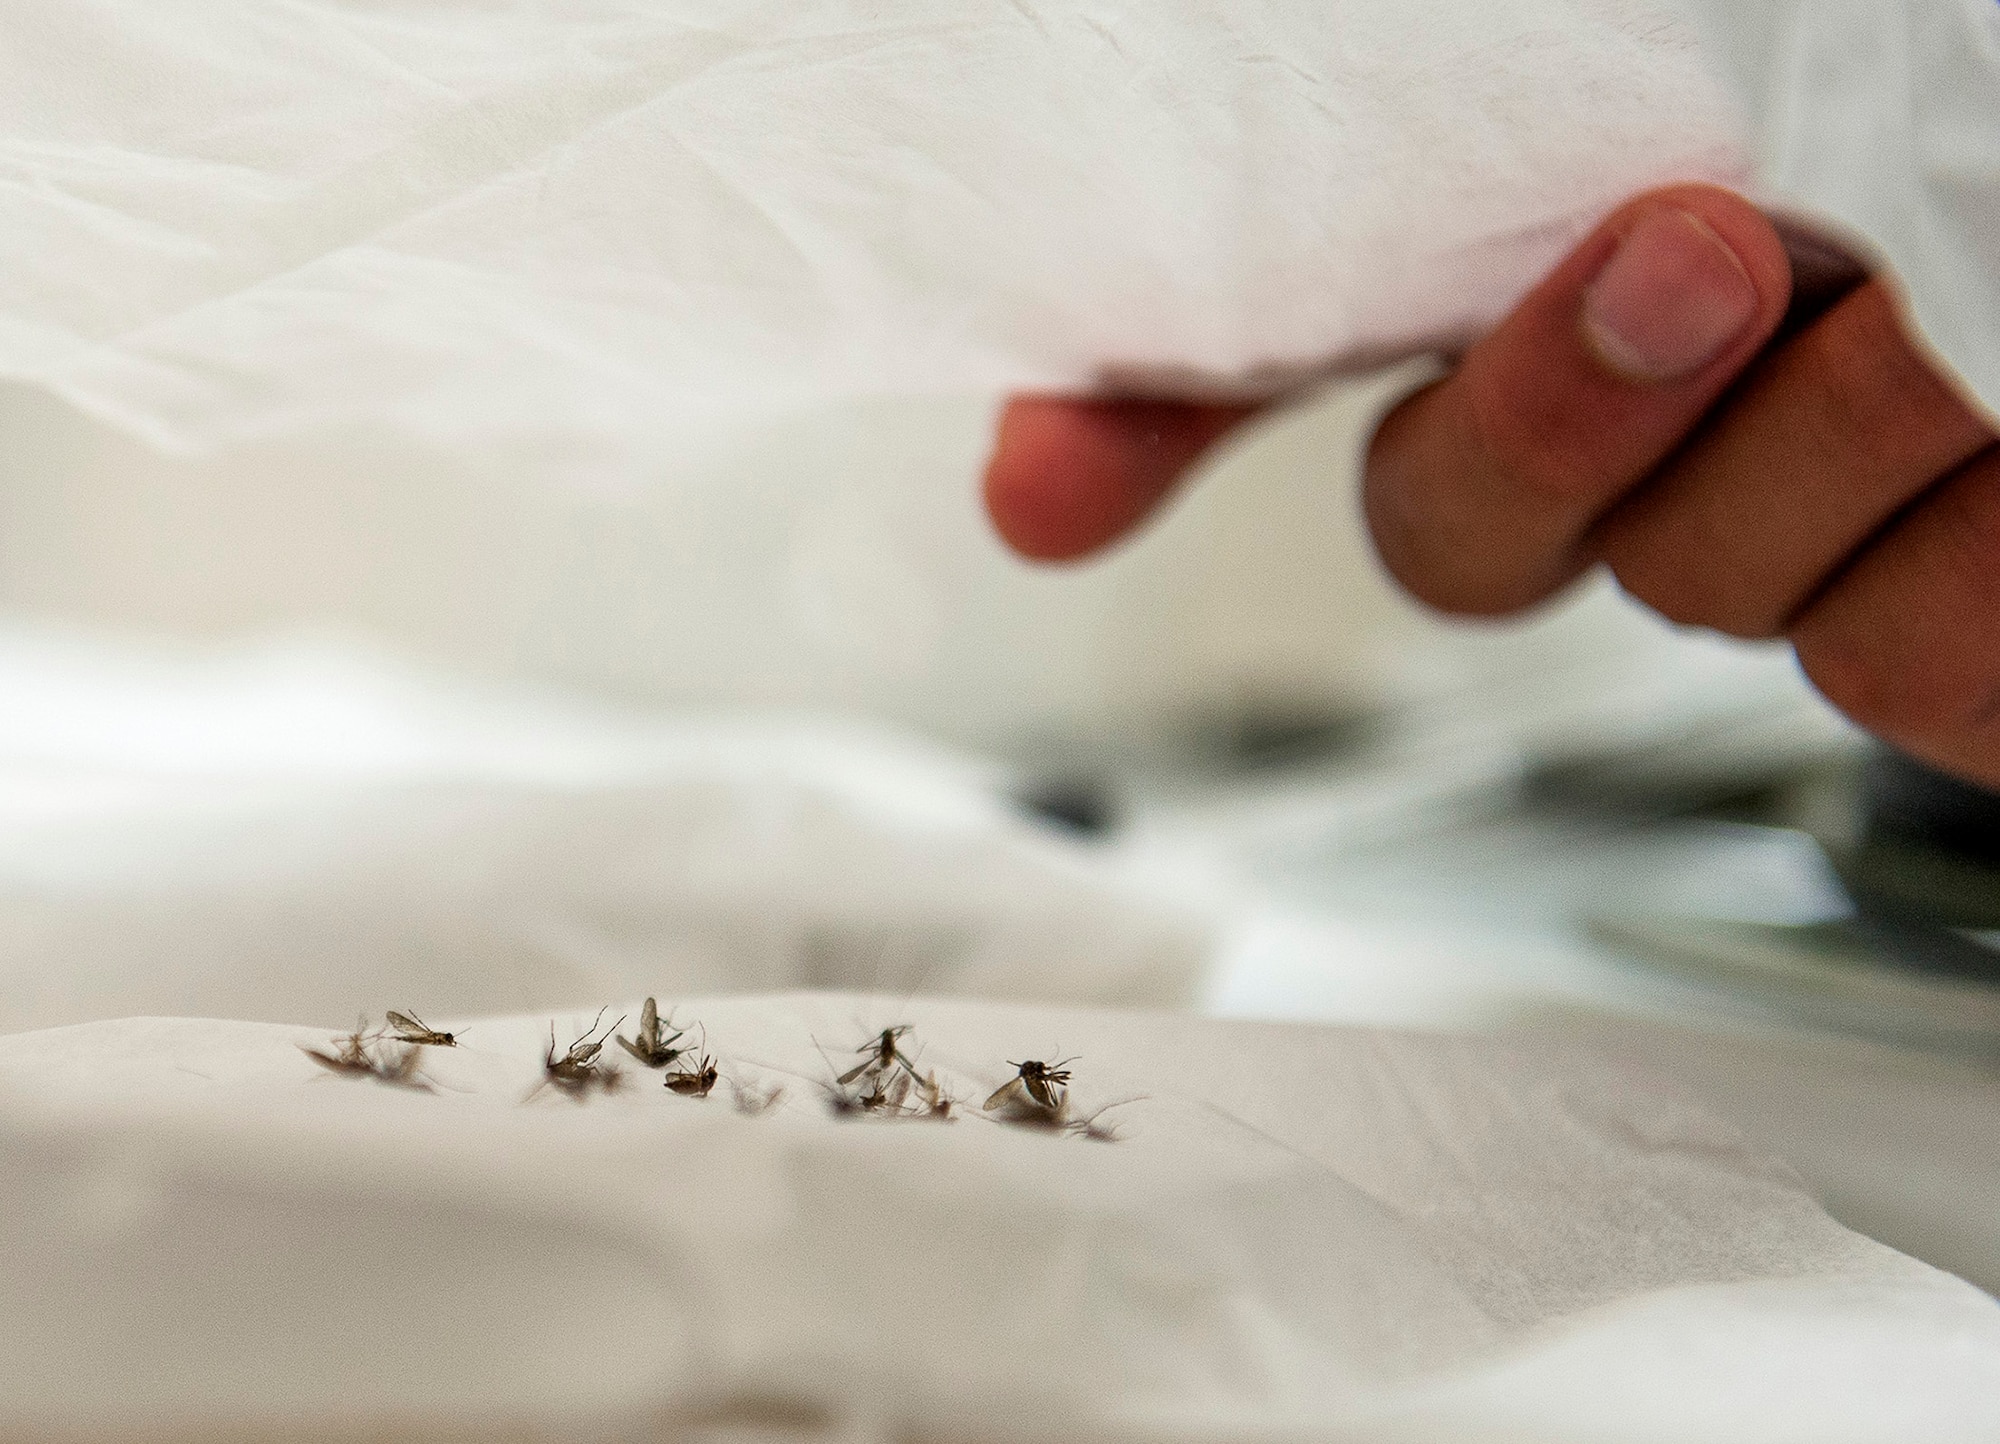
[1037, 1096]
[902, 1093]
[578, 1071]
[412, 1029]
[352, 1056]
[695, 1082]
[1037, 1086]
[885, 1055]
[649, 1047]
[886, 1092]
[360, 1054]
[932, 1100]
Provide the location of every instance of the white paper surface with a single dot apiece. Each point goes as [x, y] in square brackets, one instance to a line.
[596, 223]
[1302, 1233]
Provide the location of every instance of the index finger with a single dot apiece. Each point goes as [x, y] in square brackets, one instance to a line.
[1481, 488]
[1071, 475]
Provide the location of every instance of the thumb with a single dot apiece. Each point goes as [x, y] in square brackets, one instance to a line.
[1481, 489]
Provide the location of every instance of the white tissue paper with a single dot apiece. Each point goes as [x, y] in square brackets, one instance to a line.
[596, 224]
[1295, 1234]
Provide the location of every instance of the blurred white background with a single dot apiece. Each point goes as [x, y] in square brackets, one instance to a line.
[836, 557]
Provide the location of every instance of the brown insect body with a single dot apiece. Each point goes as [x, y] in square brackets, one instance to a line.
[894, 1095]
[886, 1093]
[885, 1055]
[649, 1047]
[580, 1085]
[696, 1082]
[1036, 1085]
[412, 1029]
[578, 1070]
[352, 1056]
[341, 1062]
[361, 1054]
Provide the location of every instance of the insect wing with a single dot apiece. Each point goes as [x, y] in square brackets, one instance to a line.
[649, 1024]
[1006, 1093]
[855, 1072]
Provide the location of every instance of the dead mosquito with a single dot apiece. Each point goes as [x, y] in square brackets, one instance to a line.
[1037, 1086]
[578, 1070]
[899, 1094]
[886, 1093]
[362, 1054]
[412, 1029]
[695, 1082]
[885, 1055]
[352, 1054]
[649, 1047]
[932, 1100]
[578, 1086]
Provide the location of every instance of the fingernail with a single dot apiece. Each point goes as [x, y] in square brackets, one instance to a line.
[1670, 300]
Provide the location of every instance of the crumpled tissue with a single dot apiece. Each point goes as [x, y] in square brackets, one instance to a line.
[1297, 1234]
[600, 224]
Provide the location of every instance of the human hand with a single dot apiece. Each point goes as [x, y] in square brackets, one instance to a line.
[1650, 408]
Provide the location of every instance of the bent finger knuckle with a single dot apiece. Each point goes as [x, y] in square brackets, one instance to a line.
[1876, 688]
[1676, 575]
[1874, 387]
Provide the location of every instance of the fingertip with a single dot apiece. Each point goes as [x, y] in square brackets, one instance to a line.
[1036, 459]
[1743, 227]
[1068, 477]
